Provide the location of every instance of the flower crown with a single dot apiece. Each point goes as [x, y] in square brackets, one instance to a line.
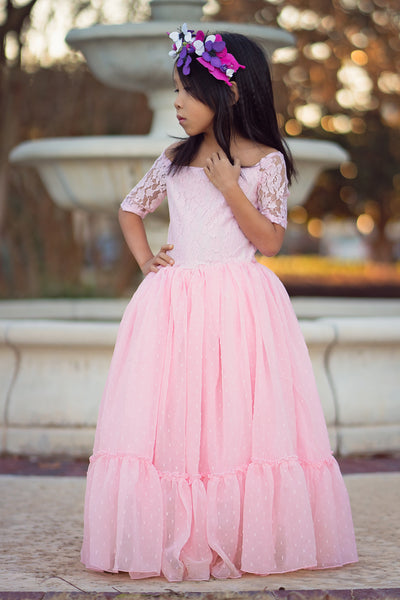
[211, 53]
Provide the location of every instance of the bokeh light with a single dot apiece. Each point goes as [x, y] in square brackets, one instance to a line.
[318, 51]
[389, 83]
[349, 170]
[365, 224]
[285, 55]
[298, 214]
[293, 127]
[315, 228]
[309, 114]
[358, 125]
[359, 57]
[359, 39]
[357, 86]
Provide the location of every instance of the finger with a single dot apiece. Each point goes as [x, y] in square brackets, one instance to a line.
[207, 172]
[154, 269]
[236, 163]
[166, 257]
[162, 261]
[166, 247]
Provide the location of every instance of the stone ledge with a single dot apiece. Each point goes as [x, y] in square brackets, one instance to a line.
[358, 330]
[106, 309]
[26, 333]
[53, 374]
[74, 442]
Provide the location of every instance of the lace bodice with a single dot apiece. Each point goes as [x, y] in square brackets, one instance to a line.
[202, 226]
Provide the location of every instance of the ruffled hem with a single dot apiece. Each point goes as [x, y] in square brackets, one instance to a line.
[261, 518]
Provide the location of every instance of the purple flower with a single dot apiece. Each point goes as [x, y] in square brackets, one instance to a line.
[212, 47]
[184, 58]
[211, 53]
[186, 67]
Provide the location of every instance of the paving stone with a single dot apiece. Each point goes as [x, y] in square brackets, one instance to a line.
[42, 519]
[364, 594]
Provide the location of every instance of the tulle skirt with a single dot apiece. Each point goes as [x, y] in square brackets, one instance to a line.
[211, 454]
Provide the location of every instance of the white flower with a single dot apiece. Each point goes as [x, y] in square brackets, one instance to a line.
[174, 36]
[210, 38]
[199, 47]
[187, 34]
[229, 72]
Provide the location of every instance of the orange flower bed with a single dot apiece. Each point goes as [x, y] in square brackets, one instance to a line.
[327, 271]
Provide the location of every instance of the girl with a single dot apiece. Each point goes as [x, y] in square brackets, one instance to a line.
[211, 454]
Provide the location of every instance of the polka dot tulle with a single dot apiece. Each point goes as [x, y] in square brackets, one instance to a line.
[211, 456]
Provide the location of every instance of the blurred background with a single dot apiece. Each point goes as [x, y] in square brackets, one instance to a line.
[341, 82]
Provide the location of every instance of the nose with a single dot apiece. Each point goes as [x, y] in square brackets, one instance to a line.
[178, 101]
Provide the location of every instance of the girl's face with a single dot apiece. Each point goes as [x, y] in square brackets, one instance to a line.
[194, 116]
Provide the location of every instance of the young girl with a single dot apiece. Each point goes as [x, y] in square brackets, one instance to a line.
[211, 454]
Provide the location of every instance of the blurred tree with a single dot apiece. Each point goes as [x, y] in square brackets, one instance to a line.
[15, 19]
[41, 251]
[341, 82]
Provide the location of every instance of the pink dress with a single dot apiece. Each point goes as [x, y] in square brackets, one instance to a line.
[211, 454]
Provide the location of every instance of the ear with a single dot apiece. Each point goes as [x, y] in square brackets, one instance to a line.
[235, 91]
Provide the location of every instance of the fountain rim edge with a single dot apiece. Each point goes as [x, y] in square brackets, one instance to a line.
[126, 146]
[157, 28]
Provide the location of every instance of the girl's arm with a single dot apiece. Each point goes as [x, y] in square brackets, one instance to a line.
[266, 236]
[135, 236]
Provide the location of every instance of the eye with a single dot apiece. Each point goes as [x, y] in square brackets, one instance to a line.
[176, 91]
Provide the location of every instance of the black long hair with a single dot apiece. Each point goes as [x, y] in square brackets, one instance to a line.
[253, 116]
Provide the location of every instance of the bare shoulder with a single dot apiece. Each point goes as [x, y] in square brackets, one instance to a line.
[264, 150]
[170, 151]
[250, 153]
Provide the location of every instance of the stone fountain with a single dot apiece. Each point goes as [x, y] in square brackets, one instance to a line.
[54, 355]
[96, 172]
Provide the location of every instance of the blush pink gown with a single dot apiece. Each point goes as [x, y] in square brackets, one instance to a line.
[211, 454]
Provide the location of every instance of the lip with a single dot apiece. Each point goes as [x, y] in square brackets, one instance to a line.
[180, 119]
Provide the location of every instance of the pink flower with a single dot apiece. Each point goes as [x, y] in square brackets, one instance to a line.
[217, 59]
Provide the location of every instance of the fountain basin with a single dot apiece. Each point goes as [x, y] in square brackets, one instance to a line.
[111, 51]
[95, 173]
[134, 56]
[54, 358]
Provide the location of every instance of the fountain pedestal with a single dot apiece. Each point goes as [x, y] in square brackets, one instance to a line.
[53, 371]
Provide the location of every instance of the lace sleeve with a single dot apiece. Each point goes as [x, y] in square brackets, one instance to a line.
[273, 190]
[151, 190]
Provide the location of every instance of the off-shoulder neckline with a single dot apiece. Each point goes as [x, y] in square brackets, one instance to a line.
[257, 164]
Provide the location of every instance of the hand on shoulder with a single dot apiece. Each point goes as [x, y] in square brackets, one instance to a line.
[221, 172]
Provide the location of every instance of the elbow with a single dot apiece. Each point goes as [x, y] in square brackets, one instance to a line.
[271, 244]
[269, 249]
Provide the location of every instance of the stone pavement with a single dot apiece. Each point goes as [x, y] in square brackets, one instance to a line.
[41, 528]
